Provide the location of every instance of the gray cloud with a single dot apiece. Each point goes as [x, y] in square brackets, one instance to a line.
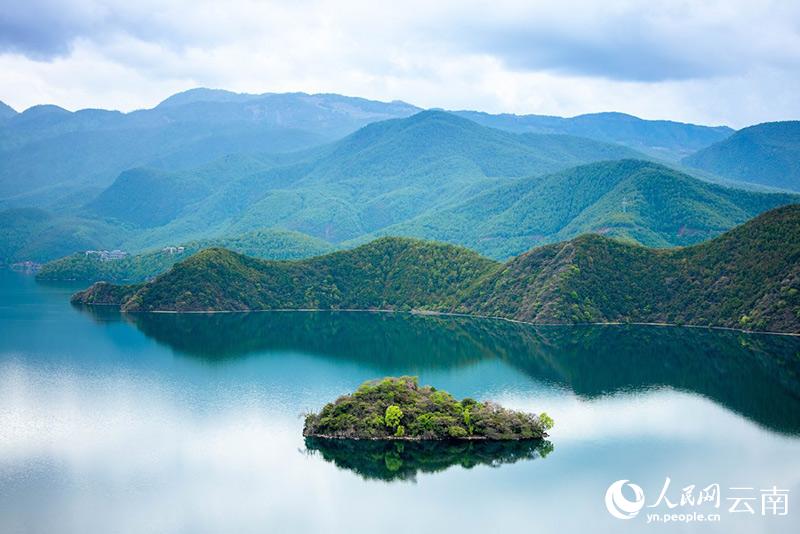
[624, 56]
[47, 29]
[732, 61]
[40, 29]
[617, 39]
[643, 42]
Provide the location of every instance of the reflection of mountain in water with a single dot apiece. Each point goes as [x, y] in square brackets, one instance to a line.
[388, 342]
[402, 460]
[754, 375]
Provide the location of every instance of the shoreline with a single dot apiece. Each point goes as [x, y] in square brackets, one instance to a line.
[455, 314]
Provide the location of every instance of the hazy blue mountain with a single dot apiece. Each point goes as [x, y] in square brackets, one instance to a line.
[662, 139]
[204, 94]
[6, 111]
[766, 154]
[48, 153]
[640, 201]
[329, 115]
[384, 173]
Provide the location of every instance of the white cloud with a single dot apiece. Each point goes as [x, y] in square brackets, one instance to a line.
[712, 62]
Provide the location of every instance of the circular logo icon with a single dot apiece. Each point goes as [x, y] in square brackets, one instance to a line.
[618, 505]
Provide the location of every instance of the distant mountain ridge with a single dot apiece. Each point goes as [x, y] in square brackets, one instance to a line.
[6, 111]
[46, 152]
[747, 278]
[378, 109]
[766, 154]
[669, 140]
[204, 94]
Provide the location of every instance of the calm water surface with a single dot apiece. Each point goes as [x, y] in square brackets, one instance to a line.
[171, 423]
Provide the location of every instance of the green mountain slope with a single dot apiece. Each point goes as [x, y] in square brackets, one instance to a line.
[265, 244]
[634, 200]
[748, 277]
[166, 194]
[662, 139]
[766, 154]
[37, 235]
[150, 197]
[385, 173]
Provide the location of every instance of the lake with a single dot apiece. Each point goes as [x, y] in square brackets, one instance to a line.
[192, 423]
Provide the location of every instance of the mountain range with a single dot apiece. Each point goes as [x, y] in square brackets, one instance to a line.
[49, 154]
[748, 277]
[208, 165]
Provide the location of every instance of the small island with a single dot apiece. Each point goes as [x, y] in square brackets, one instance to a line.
[401, 409]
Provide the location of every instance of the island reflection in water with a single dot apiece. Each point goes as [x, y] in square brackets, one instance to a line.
[403, 460]
[757, 376]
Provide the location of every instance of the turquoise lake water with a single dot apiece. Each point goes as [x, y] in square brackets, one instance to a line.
[192, 423]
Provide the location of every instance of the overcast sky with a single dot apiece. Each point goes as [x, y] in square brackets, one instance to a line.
[734, 62]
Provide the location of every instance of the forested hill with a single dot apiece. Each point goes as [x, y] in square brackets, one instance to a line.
[638, 201]
[747, 278]
[390, 273]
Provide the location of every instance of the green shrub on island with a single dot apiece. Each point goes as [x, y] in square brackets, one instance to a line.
[399, 408]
